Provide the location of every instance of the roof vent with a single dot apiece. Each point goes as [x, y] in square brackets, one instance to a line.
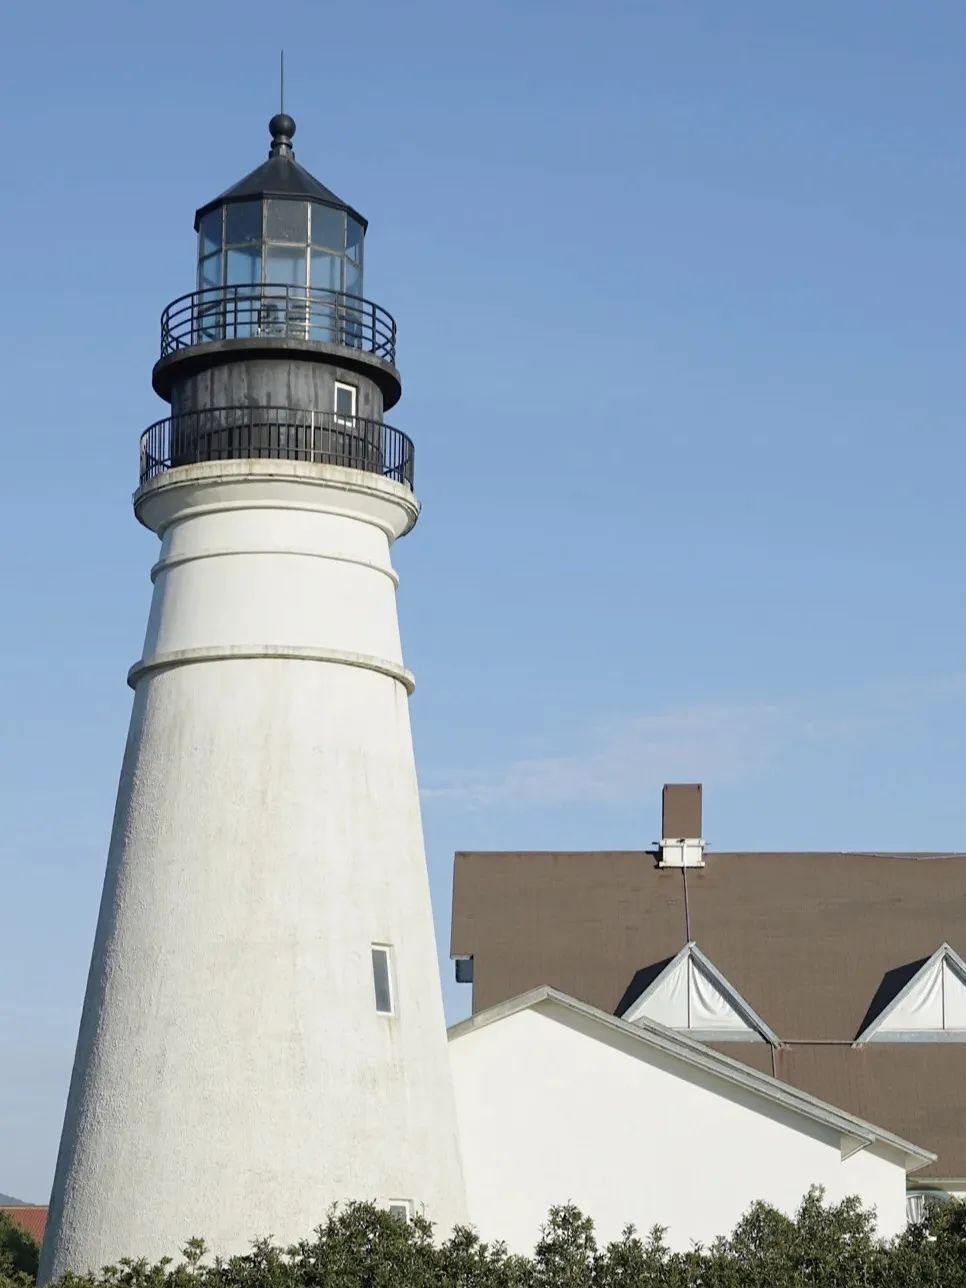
[681, 843]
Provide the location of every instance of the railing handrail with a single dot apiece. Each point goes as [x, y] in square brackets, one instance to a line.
[359, 323]
[276, 433]
[257, 287]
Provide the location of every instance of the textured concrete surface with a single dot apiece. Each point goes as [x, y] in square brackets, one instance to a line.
[232, 1076]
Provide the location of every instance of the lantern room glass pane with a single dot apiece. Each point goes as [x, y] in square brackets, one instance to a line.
[209, 231]
[285, 265]
[287, 221]
[326, 271]
[353, 278]
[243, 266]
[243, 222]
[209, 272]
[328, 227]
[354, 238]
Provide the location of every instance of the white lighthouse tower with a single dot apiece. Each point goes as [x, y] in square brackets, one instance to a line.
[262, 1033]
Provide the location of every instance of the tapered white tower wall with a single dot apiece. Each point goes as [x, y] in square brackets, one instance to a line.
[235, 1074]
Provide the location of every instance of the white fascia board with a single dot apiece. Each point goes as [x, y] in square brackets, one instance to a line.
[650, 1033]
[722, 1035]
[637, 1009]
[913, 1035]
[868, 1034]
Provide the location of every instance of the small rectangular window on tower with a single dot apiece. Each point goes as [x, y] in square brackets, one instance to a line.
[382, 979]
[401, 1209]
[345, 401]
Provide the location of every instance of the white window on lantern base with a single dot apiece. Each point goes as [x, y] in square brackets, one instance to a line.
[401, 1209]
[382, 982]
[345, 402]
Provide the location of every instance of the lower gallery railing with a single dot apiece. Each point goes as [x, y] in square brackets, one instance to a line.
[276, 433]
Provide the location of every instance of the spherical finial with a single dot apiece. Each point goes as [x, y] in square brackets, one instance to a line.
[281, 127]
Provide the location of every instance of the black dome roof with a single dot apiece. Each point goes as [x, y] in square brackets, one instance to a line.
[280, 176]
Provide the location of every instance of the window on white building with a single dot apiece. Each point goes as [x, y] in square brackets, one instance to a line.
[382, 978]
[401, 1209]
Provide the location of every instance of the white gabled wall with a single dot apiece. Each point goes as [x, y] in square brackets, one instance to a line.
[550, 1113]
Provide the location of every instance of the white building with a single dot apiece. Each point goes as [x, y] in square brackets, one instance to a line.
[635, 1123]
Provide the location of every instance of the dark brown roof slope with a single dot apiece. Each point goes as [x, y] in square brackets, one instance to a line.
[917, 1089]
[815, 936]
[580, 923]
[808, 939]
[815, 943]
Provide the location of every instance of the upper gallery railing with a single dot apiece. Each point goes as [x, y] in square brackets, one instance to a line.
[292, 312]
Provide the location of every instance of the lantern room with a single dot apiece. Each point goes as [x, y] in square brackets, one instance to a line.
[280, 228]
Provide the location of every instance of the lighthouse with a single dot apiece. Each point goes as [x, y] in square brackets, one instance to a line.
[262, 1034]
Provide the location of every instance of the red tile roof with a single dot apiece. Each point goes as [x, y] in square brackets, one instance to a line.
[31, 1217]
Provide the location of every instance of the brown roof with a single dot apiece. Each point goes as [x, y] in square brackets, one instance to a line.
[31, 1217]
[815, 943]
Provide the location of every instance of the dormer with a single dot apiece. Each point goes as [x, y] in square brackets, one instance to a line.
[930, 1007]
[689, 994]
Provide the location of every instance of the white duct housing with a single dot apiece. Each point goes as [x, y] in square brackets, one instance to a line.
[681, 852]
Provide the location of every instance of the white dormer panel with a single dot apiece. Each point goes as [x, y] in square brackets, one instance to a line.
[921, 1007]
[667, 999]
[930, 1008]
[692, 996]
[954, 997]
[710, 1008]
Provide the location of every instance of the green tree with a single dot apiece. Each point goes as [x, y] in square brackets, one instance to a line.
[825, 1245]
[19, 1253]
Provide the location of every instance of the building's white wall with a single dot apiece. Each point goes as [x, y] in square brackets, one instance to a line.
[879, 1177]
[549, 1113]
[233, 1078]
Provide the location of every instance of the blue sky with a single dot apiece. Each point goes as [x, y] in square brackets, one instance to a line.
[680, 292]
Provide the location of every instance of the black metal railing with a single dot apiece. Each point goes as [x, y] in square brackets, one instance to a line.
[289, 312]
[276, 433]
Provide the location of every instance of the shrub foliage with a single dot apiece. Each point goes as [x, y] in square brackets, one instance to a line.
[18, 1253]
[362, 1246]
